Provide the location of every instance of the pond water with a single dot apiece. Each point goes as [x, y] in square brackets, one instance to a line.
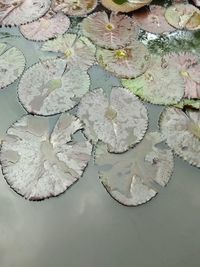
[85, 227]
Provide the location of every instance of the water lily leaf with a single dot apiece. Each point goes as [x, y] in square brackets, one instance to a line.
[128, 62]
[188, 103]
[12, 64]
[77, 51]
[119, 120]
[47, 27]
[182, 132]
[74, 7]
[49, 88]
[17, 12]
[38, 164]
[189, 68]
[126, 6]
[161, 84]
[153, 20]
[183, 16]
[114, 31]
[133, 178]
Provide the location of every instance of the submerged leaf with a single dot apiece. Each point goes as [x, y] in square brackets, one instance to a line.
[119, 120]
[153, 20]
[128, 62]
[77, 51]
[160, 84]
[182, 132]
[12, 64]
[38, 164]
[47, 27]
[74, 7]
[17, 12]
[132, 178]
[112, 32]
[49, 88]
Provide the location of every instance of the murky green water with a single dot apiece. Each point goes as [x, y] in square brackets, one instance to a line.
[85, 227]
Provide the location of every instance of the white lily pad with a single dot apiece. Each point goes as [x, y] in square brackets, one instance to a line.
[182, 132]
[135, 177]
[120, 120]
[48, 87]
[38, 164]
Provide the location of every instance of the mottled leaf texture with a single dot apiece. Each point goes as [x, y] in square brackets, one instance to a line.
[38, 164]
[114, 31]
[12, 64]
[76, 50]
[153, 20]
[182, 132]
[119, 120]
[160, 84]
[49, 88]
[128, 62]
[47, 27]
[135, 177]
[17, 12]
[74, 7]
[183, 16]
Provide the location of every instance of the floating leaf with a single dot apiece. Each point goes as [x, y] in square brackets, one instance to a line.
[182, 132]
[112, 32]
[12, 64]
[132, 178]
[128, 6]
[188, 103]
[77, 51]
[74, 7]
[47, 27]
[49, 88]
[17, 12]
[38, 164]
[161, 84]
[128, 62]
[189, 68]
[119, 120]
[153, 20]
[183, 16]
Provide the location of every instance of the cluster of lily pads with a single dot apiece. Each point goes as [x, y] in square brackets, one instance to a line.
[39, 162]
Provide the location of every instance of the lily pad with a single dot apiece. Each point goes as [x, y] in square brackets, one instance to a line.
[114, 31]
[120, 119]
[188, 103]
[74, 7]
[189, 68]
[76, 50]
[38, 164]
[128, 62]
[153, 20]
[17, 12]
[182, 132]
[12, 64]
[183, 16]
[161, 84]
[47, 27]
[135, 177]
[48, 87]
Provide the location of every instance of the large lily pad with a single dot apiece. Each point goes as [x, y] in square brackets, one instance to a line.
[128, 62]
[76, 50]
[12, 64]
[38, 164]
[47, 27]
[49, 88]
[74, 7]
[17, 12]
[120, 120]
[114, 31]
[133, 178]
[161, 84]
[182, 132]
